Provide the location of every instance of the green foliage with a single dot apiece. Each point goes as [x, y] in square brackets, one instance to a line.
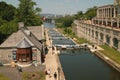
[67, 22]
[59, 20]
[28, 14]
[2, 21]
[82, 40]
[64, 21]
[8, 28]
[90, 13]
[8, 23]
[7, 12]
[67, 30]
[59, 25]
[79, 15]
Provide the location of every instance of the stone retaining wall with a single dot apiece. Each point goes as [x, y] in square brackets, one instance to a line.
[62, 76]
[108, 60]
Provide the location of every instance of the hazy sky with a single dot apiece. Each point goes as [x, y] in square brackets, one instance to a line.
[64, 6]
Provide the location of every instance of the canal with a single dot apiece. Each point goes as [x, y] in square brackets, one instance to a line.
[49, 25]
[82, 64]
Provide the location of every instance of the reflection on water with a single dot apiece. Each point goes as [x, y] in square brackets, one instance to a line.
[84, 65]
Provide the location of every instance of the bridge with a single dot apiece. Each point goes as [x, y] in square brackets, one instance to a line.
[48, 19]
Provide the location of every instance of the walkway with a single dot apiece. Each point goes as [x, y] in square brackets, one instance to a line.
[50, 62]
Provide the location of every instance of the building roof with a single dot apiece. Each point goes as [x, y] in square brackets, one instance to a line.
[24, 44]
[37, 31]
[16, 37]
[106, 6]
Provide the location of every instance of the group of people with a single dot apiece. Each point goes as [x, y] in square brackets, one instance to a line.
[48, 72]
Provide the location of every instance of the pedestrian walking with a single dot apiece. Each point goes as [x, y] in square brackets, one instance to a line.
[46, 72]
[49, 72]
[55, 76]
[19, 69]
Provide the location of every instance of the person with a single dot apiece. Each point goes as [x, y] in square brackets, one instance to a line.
[46, 72]
[19, 69]
[46, 50]
[49, 72]
[55, 76]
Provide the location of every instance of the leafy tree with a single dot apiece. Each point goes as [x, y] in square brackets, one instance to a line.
[90, 13]
[7, 11]
[64, 21]
[8, 28]
[28, 14]
[67, 22]
[8, 23]
[2, 21]
[79, 15]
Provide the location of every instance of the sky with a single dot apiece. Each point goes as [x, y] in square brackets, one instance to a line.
[64, 6]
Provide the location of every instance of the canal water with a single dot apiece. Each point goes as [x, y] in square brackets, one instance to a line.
[49, 25]
[84, 65]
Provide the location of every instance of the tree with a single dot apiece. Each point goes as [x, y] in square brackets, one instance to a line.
[79, 15]
[67, 22]
[28, 14]
[7, 11]
[90, 13]
[64, 21]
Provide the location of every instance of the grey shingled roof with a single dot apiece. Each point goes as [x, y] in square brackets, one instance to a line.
[23, 44]
[16, 37]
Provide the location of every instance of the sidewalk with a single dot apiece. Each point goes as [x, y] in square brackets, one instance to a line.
[50, 61]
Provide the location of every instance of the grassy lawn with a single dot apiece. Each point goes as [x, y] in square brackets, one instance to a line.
[33, 76]
[2, 77]
[111, 53]
[81, 40]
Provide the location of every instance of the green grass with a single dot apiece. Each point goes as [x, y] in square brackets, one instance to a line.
[111, 53]
[33, 76]
[82, 40]
[2, 77]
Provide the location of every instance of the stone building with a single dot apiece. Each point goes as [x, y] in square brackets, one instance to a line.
[108, 15]
[104, 28]
[24, 46]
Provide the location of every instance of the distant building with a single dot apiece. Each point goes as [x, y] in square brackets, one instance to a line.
[24, 46]
[104, 28]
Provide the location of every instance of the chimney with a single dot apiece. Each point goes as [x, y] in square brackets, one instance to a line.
[20, 24]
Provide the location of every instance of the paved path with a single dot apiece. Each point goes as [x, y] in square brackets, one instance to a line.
[50, 62]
